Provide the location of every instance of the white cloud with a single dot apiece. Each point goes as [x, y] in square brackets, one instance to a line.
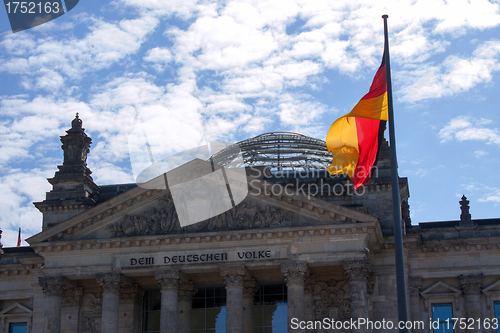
[465, 128]
[254, 81]
[183, 8]
[18, 189]
[18, 45]
[492, 196]
[160, 57]
[225, 43]
[478, 14]
[222, 128]
[32, 122]
[225, 104]
[49, 60]
[125, 91]
[453, 76]
[423, 172]
[488, 193]
[296, 111]
[104, 172]
[297, 72]
[480, 153]
[448, 132]
[170, 117]
[49, 80]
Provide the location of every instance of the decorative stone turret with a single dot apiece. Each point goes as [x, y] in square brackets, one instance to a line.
[72, 185]
[465, 217]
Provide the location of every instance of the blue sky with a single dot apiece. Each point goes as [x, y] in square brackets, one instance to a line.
[237, 69]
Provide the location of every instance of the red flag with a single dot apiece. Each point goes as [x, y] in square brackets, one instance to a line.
[19, 238]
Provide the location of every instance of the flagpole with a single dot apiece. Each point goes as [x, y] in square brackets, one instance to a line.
[396, 203]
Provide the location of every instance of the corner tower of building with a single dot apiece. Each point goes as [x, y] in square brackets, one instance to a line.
[72, 186]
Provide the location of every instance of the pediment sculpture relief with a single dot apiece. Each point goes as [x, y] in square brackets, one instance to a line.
[164, 220]
[332, 300]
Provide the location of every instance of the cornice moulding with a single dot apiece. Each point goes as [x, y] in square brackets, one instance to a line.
[368, 229]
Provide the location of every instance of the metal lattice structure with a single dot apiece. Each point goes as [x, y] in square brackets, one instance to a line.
[277, 150]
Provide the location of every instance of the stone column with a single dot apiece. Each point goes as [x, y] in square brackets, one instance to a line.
[471, 286]
[233, 279]
[308, 299]
[169, 285]
[53, 289]
[357, 272]
[111, 284]
[131, 305]
[415, 284]
[249, 289]
[71, 309]
[187, 290]
[295, 275]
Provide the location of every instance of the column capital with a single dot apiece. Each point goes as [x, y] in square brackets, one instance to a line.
[110, 282]
[53, 285]
[187, 289]
[295, 273]
[357, 270]
[471, 284]
[415, 285]
[233, 276]
[250, 286]
[168, 279]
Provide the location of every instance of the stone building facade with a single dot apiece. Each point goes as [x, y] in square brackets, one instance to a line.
[114, 258]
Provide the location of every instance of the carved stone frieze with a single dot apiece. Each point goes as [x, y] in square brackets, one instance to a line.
[250, 287]
[164, 220]
[168, 279]
[91, 313]
[309, 284]
[295, 273]
[332, 300]
[110, 282]
[357, 270]
[187, 289]
[471, 284]
[233, 276]
[72, 296]
[131, 292]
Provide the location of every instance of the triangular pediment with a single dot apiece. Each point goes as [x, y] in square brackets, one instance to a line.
[149, 210]
[15, 309]
[440, 289]
[441, 292]
[492, 289]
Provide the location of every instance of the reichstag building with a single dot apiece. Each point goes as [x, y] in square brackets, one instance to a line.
[301, 250]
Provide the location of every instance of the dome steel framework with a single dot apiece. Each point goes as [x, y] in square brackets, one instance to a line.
[277, 150]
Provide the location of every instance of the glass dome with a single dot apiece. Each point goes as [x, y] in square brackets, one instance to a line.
[278, 151]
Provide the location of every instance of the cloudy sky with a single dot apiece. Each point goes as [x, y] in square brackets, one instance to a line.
[235, 69]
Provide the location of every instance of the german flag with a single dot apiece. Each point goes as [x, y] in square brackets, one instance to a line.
[355, 138]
